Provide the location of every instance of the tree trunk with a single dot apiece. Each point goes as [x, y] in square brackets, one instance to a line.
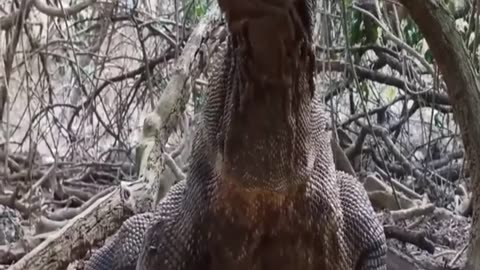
[463, 86]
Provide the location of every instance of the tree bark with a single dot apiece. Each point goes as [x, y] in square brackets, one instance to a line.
[79, 235]
[463, 87]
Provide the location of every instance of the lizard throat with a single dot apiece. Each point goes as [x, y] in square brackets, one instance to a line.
[263, 136]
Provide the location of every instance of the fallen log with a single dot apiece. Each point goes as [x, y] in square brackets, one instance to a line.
[80, 234]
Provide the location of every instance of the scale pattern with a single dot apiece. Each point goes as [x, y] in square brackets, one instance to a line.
[262, 191]
[122, 251]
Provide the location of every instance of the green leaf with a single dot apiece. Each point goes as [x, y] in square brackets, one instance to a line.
[390, 93]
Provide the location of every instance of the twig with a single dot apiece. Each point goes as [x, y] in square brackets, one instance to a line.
[418, 239]
[457, 256]
[39, 182]
[173, 166]
[62, 12]
[399, 215]
[68, 213]
[397, 41]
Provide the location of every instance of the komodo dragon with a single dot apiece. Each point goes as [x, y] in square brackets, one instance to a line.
[262, 191]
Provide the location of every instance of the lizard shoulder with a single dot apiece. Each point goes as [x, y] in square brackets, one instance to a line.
[363, 231]
[172, 239]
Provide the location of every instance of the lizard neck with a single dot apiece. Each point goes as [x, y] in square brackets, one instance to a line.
[264, 139]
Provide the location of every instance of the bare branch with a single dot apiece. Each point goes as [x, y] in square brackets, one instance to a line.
[62, 12]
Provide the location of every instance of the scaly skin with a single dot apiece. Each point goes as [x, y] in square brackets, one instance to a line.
[262, 191]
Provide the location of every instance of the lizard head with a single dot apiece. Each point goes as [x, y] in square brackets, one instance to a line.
[263, 125]
[270, 38]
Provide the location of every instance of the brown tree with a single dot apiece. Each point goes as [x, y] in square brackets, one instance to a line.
[463, 88]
